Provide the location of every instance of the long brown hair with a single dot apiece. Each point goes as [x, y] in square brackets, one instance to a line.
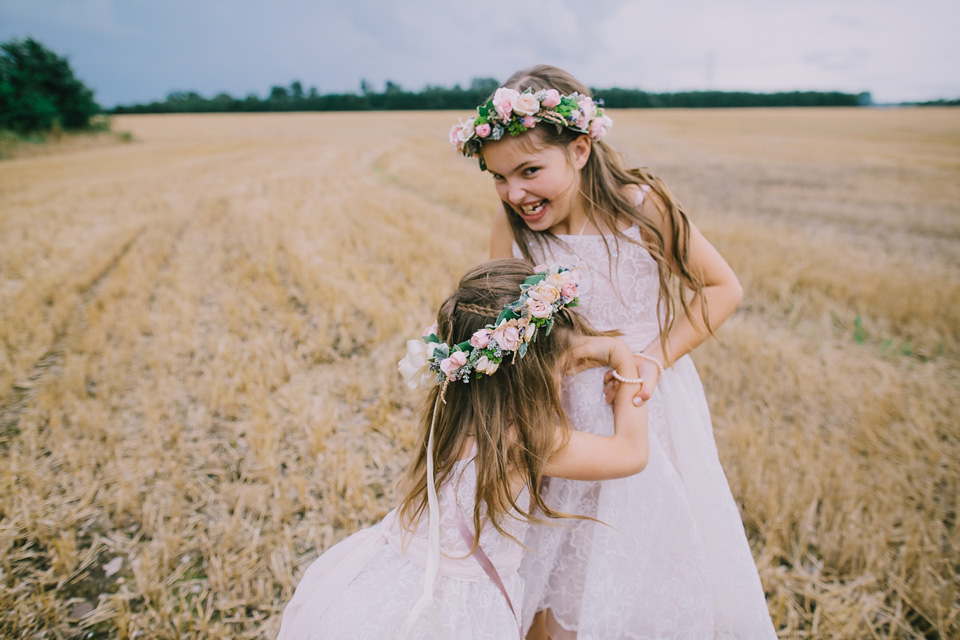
[602, 182]
[513, 414]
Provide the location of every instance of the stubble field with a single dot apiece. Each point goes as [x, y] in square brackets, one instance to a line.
[199, 334]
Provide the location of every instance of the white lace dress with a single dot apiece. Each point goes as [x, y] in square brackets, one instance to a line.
[365, 586]
[672, 560]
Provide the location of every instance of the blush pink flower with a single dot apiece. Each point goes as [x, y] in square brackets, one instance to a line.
[599, 127]
[481, 338]
[450, 365]
[483, 130]
[455, 134]
[539, 308]
[504, 100]
[431, 330]
[529, 121]
[569, 290]
[507, 336]
[551, 98]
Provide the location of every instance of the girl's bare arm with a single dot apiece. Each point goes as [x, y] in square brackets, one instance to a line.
[501, 237]
[586, 456]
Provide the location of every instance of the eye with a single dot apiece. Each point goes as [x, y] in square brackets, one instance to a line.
[529, 171]
[496, 177]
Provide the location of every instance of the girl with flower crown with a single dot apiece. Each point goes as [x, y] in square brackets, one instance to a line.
[493, 427]
[674, 562]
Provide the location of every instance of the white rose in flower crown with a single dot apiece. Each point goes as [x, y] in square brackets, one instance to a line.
[466, 130]
[486, 366]
[414, 366]
[526, 105]
[571, 275]
[545, 292]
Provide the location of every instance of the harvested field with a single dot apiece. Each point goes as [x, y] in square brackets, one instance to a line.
[199, 334]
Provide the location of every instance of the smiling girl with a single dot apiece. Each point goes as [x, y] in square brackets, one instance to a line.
[674, 561]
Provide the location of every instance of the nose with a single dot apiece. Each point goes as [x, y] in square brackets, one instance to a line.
[515, 192]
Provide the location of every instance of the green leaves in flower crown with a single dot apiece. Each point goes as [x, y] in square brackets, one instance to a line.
[506, 314]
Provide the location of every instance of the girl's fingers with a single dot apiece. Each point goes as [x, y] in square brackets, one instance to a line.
[610, 388]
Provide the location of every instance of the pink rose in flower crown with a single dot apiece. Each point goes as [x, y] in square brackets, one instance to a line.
[587, 107]
[526, 105]
[569, 291]
[483, 130]
[431, 330]
[455, 134]
[599, 127]
[551, 98]
[507, 335]
[481, 338]
[450, 365]
[504, 100]
[539, 308]
[529, 121]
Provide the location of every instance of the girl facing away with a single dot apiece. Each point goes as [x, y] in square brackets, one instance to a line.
[675, 562]
[492, 427]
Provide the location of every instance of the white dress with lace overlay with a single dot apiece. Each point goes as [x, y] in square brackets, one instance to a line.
[364, 587]
[671, 559]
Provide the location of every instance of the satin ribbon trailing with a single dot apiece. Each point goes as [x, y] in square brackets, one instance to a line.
[482, 559]
[425, 603]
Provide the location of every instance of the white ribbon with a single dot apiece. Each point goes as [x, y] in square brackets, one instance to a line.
[425, 603]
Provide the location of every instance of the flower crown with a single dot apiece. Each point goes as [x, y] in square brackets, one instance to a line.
[543, 294]
[512, 112]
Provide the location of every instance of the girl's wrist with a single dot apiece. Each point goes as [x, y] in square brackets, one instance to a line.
[652, 359]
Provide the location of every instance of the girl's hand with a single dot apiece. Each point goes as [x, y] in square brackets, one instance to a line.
[650, 373]
[597, 351]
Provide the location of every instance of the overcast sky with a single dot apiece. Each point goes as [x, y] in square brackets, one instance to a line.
[140, 50]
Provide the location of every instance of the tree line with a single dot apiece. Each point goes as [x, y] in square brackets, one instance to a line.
[395, 98]
[38, 91]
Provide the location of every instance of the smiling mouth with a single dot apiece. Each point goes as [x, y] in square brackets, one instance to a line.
[533, 209]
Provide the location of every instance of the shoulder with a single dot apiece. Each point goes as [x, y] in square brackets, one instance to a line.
[501, 236]
[649, 204]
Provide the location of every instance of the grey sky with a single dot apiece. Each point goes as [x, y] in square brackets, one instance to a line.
[140, 50]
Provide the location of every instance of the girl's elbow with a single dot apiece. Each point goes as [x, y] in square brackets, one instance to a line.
[735, 293]
[638, 461]
[642, 460]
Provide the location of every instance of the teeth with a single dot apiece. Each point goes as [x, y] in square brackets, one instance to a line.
[534, 209]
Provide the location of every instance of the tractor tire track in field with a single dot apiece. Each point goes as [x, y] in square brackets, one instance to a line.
[20, 392]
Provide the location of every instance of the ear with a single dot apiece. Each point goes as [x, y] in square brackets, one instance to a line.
[580, 150]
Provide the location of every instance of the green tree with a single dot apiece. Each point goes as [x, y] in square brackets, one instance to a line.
[38, 90]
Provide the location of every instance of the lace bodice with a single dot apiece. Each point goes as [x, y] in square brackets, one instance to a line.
[619, 289]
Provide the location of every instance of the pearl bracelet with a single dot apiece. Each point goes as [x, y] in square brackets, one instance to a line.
[651, 359]
[626, 380]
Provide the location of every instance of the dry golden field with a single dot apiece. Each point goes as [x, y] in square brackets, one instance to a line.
[199, 334]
